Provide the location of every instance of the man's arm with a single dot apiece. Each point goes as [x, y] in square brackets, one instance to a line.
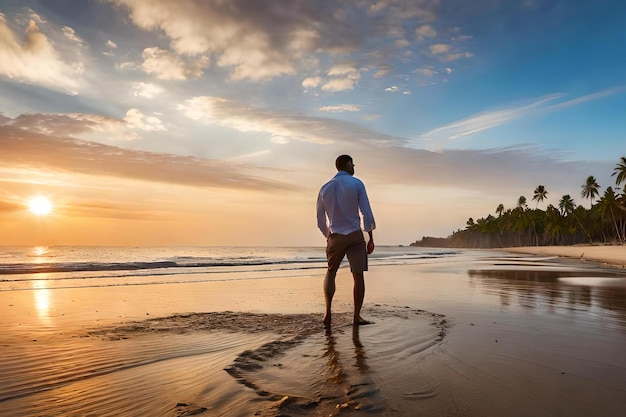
[369, 223]
[322, 224]
[370, 244]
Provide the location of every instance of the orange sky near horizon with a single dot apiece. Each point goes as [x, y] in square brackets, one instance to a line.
[91, 210]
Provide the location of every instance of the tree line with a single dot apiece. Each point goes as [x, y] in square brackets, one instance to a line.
[567, 223]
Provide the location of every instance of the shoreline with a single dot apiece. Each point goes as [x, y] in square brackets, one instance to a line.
[612, 255]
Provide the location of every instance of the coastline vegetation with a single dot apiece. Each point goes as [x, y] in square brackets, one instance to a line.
[566, 223]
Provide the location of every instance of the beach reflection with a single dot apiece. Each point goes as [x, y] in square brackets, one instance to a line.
[359, 352]
[42, 300]
[577, 290]
[335, 373]
[39, 252]
[40, 287]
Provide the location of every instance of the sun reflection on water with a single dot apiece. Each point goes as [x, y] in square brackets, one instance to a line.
[42, 300]
[40, 252]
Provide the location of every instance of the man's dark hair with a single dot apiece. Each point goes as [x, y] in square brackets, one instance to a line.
[341, 163]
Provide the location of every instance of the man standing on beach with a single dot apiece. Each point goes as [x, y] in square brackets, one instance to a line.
[338, 205]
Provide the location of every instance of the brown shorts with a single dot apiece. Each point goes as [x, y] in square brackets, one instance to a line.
[353, 245]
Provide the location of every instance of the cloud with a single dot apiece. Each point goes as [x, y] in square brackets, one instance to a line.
[259, 41]
[22, 148]
[256, 42]
[168, 66]
[439, 48]
[396, 89]
[454, 57]
[146, 90]
[136, 120]
[111, 46]
[86, 126]
[486, 120]
[344, 69]
[339, 84]
[382, 72]
[71, 35]
[33, 148]
[344, 76]
[489, 119]
[311, 82]
[425, 32]
[280, 125]
[62, 124]
[22, 58]
[340, 108]
[469, 170]
[402, 43]
[590, 97]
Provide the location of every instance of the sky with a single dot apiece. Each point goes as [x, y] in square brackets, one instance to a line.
[211, 122]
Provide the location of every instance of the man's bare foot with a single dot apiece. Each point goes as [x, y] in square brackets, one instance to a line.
[327, 321]
[362, 322]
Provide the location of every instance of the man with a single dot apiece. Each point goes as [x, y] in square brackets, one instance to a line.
[338, 205]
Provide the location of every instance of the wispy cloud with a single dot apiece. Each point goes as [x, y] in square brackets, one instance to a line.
[32, 148]
[340, 108]
[283, 126]
[490, 119]
[589, 97]
[486, 120]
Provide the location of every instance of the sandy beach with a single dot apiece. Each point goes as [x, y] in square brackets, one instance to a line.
[477, 333]
[613, 255]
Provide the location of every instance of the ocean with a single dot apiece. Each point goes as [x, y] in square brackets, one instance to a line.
[100, 266]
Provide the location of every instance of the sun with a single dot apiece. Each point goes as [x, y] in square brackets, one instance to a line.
[40, 206]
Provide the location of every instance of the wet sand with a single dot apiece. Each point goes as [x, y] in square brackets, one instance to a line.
[614, 255]
[481, 334]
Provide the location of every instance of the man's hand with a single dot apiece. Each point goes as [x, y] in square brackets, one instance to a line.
[370, 246]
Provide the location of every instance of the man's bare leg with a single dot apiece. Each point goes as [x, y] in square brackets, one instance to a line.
[359, 295]
[329, 292]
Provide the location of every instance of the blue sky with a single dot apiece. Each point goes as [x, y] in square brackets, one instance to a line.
[209, 122]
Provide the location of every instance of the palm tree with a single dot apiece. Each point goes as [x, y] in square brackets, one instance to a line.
[540, 194]
[566, 205]
[620, 171]
[500, 209]
[590, 189]
[555, 224]
[521, 202]
[607, 203]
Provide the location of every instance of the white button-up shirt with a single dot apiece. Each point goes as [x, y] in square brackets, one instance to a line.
[338, 204]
